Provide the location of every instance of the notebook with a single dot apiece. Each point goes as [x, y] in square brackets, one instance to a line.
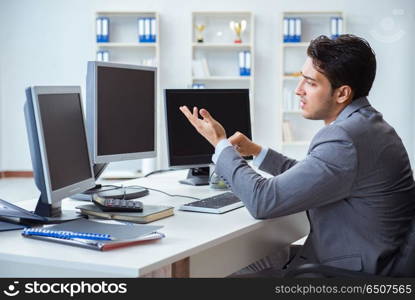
[150, 213]
[120, 235]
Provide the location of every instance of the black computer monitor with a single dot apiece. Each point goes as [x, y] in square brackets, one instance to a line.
[121, 119]
[58, 146]
[186, 147]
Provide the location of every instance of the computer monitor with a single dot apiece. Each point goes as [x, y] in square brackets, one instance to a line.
[121, 114]
[186, 147]
[58, 146]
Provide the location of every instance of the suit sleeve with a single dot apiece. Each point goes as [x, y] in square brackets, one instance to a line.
[325, 176]
[275, 163]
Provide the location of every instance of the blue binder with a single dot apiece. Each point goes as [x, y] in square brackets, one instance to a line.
[105, 29]
[153, 30]
[140, 29]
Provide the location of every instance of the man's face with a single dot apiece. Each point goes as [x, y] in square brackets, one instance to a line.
[316, 95]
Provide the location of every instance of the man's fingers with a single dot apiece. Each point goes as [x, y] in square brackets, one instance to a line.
[192, 119]
[185, 111]
[195, 112]
[236, 138]
[206, 115]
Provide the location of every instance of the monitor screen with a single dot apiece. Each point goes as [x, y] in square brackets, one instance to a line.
[65, 139]
[123, 110]
[58, 146]
[228, 106]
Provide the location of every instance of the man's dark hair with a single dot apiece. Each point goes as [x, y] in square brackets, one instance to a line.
[347, 60]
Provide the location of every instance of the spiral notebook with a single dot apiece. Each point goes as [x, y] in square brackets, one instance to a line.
[95, 235]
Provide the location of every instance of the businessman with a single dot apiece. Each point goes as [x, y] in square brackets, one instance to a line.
[355, 183]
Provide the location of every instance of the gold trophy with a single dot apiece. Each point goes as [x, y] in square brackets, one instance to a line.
[238, 28]
[199, 29]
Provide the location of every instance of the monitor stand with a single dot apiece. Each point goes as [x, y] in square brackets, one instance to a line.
[120, 192]
[197, 176]
[51, 213]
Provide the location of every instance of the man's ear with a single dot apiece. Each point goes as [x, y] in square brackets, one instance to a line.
[344, 93]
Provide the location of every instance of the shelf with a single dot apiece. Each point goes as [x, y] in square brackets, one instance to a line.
[318, 13]
[296, 144]
[125, 13]
[302, 44]
[127, 45]
[221, 13]
[226, 78]
[225, 46]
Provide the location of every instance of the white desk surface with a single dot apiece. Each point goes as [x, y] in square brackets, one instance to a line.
[196, 235]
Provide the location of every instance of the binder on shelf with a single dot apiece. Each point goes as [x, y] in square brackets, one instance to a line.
[100, 56]
[103, 55]
[247, 63]
[75, 233]
[99, 29]
[336, 27]
[105, 29]
[285, 30]
[153, 30]
[198, 86]
[291, 30]
[297, 34]
[147, 30]
[242, 70]
[244, 63]
[339, 26]
[140, 25]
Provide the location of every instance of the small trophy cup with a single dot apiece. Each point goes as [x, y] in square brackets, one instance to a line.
[199, 29]
[238, 28]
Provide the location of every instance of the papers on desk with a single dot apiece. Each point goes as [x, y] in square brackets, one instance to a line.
[6, 226]
[120, 235]
[10, 212]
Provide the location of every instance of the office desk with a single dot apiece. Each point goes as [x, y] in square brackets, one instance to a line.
[196, 244]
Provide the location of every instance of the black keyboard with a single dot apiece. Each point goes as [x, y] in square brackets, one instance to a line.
[216, 204]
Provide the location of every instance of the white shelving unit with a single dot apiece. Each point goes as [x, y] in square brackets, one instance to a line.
[295, 142]
[221, 52]
[124, 47]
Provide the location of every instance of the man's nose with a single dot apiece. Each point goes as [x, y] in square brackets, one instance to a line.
[299, 91]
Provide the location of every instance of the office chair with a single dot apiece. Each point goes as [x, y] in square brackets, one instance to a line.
[404, 265]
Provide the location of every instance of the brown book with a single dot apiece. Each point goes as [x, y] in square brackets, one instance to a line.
[149, 214]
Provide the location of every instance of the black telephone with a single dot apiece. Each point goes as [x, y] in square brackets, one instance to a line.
[113, 204]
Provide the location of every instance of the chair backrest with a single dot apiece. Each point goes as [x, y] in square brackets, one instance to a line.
[404, 265]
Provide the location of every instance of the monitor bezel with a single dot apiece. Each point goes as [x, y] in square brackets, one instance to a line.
[187, 166]
[92, 119]
[56, 196]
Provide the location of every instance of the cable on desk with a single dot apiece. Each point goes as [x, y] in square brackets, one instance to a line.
[159, 171]
[170, 195]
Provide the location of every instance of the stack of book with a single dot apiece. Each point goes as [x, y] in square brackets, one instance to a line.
[149, 214]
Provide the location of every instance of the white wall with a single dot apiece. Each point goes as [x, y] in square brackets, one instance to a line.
[49, 42]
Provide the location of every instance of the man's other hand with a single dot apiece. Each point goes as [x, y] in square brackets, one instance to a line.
[208, 127]
[244, 145]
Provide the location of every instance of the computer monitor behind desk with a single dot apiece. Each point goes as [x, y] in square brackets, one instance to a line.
[121, 119]
[186, 147]
[58, 147]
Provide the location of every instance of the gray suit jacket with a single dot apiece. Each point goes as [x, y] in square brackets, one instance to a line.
[355, 183]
